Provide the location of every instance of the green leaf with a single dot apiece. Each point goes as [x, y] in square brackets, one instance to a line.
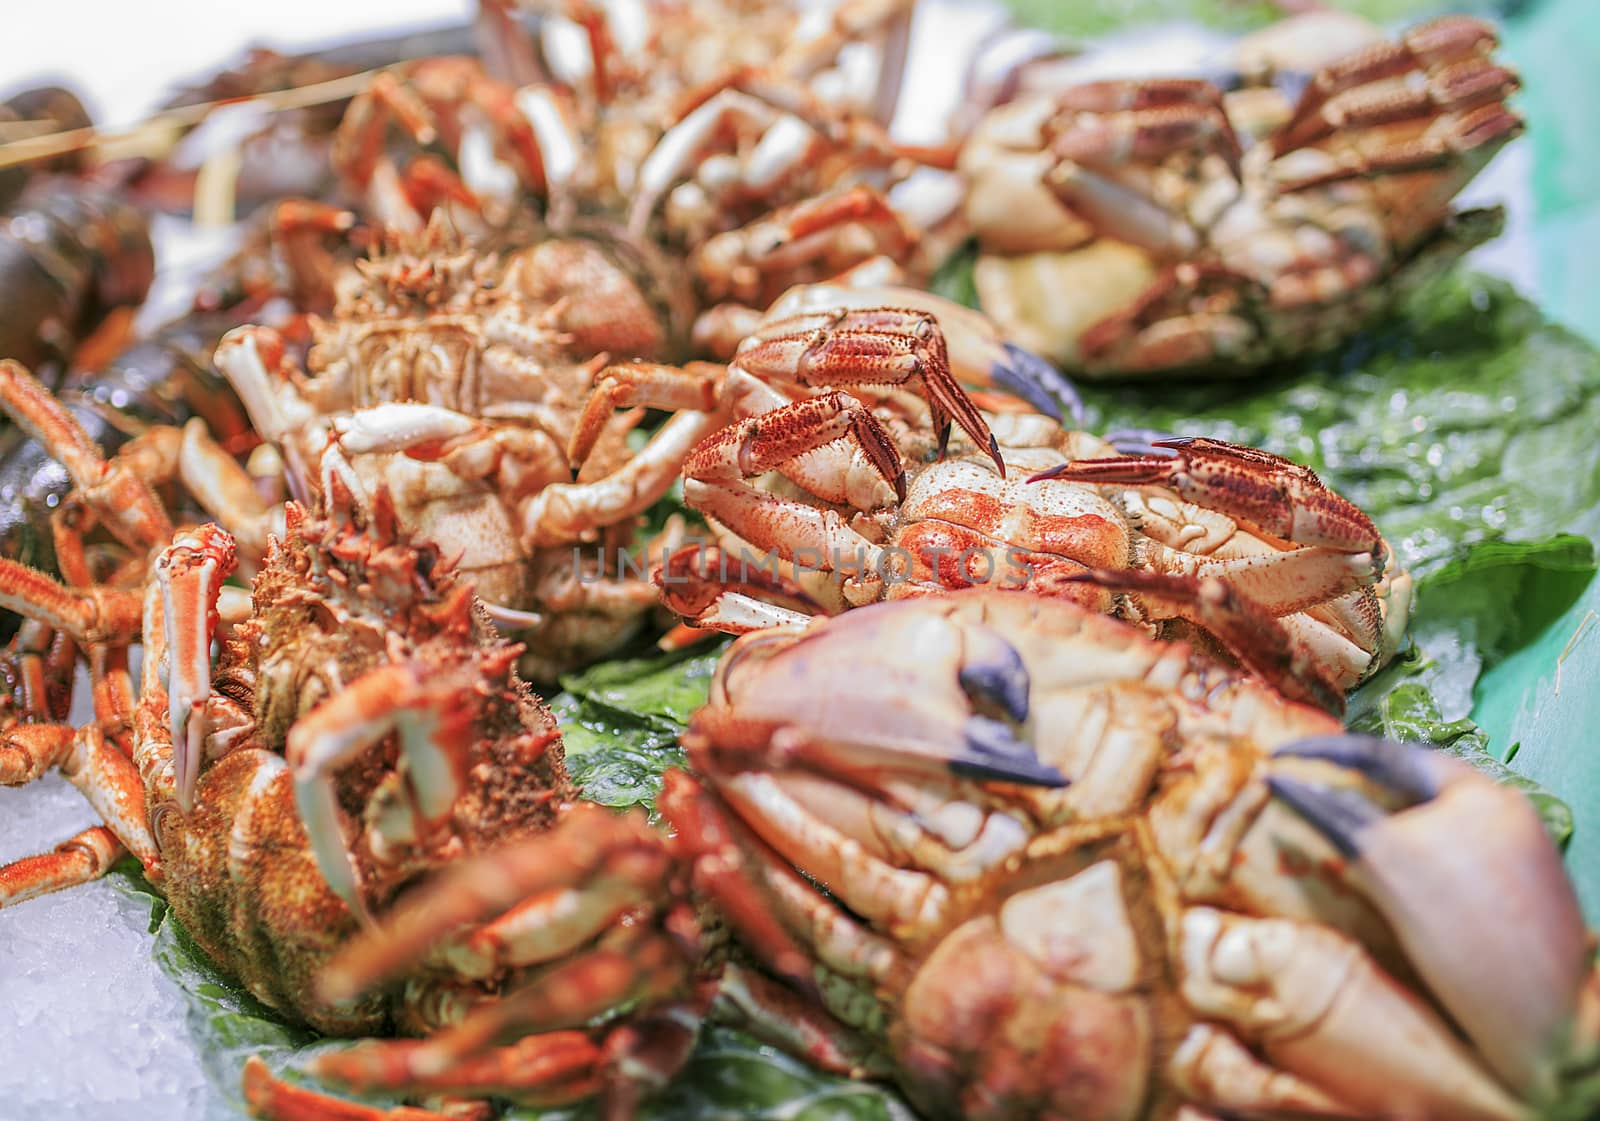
[620, 722]
[1399, 705]
[732, 1077]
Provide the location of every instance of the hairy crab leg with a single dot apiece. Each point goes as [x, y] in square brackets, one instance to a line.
[1513, 990]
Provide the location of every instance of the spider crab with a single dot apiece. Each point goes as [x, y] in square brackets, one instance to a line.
[1199, 229]
[363, 728]
[1042, 866]
[821, 488]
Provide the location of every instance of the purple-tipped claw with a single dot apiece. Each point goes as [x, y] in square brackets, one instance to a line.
[1037, 381]
[1446, 869]
[993, 752]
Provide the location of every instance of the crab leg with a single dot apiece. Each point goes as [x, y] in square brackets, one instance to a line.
[773, 908]
[273, 1099]
[565, 512]
[977, 353]
[110, 783]
[1512, 988]
[1462, 86]
[77, 860]
[1479, 134]
[820, 233]
[412, 700]
[189, 576]
[696, 387]
[1428, 46]
[90, 615]
[1112, 123]
[1321, 1009]
[590, 846]
[702, 585]
[879, 346]
[1250, 634]
[1270, 493]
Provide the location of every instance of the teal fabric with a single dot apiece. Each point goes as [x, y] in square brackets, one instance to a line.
[1556, 734]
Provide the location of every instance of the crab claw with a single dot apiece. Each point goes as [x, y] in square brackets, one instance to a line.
[190, 572]
[994, 752]
[1276, 495]
[964, 677]
[1036, 381]
[1447, 868]
[1000, 679]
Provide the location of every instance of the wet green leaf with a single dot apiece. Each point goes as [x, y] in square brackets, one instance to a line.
[621, 720]
[1400, 705]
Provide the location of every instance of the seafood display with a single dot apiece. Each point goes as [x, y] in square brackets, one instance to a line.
[1226, 232]
[357, 600]
[291, 744]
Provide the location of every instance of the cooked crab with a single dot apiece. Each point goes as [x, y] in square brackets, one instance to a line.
[1045, 867]
[1131, 228]
[818, 488]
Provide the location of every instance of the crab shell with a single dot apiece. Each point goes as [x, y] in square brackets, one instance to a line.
[1053, 868]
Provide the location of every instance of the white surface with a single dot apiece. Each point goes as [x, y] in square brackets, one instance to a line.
[89, 1026]
[125, 56]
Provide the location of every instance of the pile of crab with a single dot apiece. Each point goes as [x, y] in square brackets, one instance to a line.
[1023, 786]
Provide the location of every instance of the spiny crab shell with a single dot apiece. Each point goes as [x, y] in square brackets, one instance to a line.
[336, 609]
